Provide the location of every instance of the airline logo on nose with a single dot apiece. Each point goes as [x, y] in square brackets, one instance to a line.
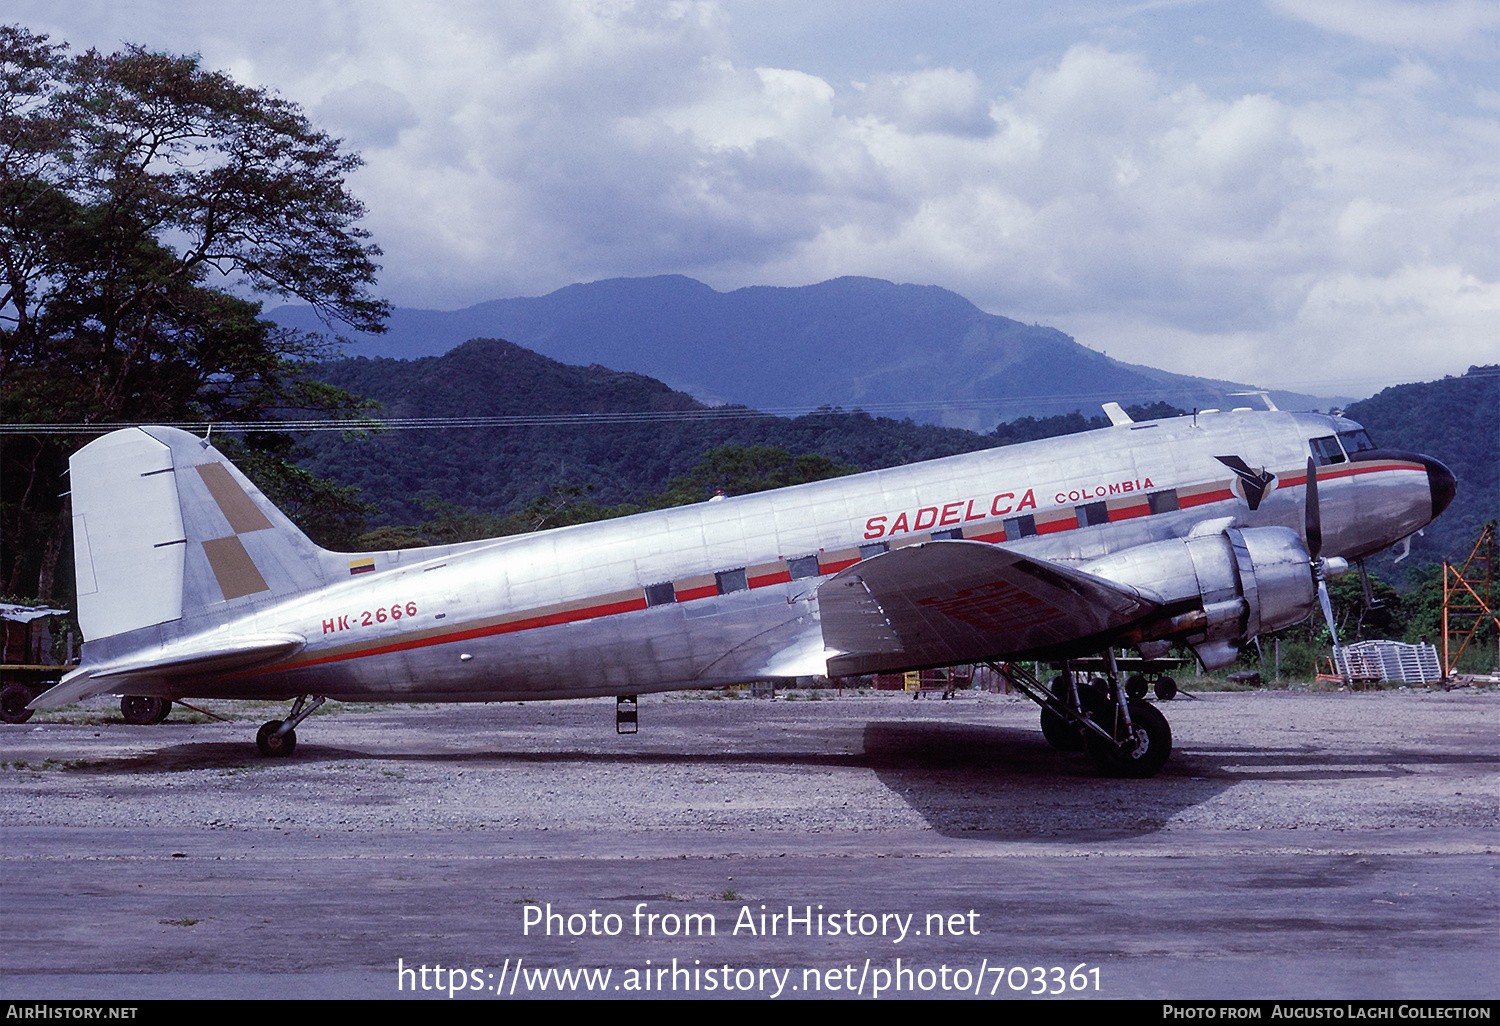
[1255, 483]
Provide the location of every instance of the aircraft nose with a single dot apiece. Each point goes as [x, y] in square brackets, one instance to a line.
[1441, 482]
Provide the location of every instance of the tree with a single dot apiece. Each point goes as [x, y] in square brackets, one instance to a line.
[741, 470]
[144, 203]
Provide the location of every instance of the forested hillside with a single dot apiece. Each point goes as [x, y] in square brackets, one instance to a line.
[1457, 420]
[500, 469]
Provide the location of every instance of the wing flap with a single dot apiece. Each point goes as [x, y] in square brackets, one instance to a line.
[790, 649]
[947, 602]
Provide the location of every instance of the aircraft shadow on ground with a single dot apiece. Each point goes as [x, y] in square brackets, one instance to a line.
[962, 779]
[965, 779]
[972, 780]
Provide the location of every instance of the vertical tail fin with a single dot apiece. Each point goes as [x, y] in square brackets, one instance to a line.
[165, 529]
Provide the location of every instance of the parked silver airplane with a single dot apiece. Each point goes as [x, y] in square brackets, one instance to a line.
[1204, 530]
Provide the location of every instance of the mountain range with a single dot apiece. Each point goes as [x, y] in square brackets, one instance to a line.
[916, 351]
[621, 437]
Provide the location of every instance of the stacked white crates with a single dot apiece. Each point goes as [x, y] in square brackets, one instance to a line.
[1392, 660]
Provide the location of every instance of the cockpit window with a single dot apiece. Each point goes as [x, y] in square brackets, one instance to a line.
[1356, 441]
[1326, 450]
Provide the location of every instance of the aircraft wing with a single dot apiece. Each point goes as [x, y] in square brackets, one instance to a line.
[946, 602]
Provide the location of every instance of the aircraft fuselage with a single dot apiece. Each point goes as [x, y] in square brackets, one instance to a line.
[727, 591]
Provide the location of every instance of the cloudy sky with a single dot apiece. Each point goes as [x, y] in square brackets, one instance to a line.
[1300, 193]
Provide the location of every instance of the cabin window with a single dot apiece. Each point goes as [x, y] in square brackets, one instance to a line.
[1326, 450]
[1020, 527]
[1356, 441]
[802, 566]
[1092, 514]
[1163, 501]
[873, 549]
[957, 532]
[731, 580]
[660, 594]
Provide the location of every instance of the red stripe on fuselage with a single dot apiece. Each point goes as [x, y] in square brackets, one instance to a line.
[1335, 470]
[781, 577]
[1203, 498]
[463, 634]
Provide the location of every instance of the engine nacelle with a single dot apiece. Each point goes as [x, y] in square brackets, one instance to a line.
[1219, 589]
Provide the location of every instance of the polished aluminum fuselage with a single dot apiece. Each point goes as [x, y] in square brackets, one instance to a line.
[726, 591]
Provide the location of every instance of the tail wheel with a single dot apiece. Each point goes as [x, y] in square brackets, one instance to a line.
[145, 710]
[1142, 754]
[273, 745]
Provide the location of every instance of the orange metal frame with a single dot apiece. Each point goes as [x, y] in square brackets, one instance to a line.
[1469, 593]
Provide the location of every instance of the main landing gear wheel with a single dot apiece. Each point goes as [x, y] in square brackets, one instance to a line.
[144, 710]
[13, 699]
[1098, 698]
[1141, 754]
[1061, 734]
[273, 745]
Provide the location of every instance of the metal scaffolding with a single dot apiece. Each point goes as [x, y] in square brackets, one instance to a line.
[1468, 597]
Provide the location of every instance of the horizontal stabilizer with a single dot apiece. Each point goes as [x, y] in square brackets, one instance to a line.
[948, 602]
[198, 657]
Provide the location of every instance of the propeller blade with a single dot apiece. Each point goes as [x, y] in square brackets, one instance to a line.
[1313, 518]
[1333, 631]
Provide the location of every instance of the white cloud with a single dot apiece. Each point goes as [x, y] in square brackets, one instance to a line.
[1240, 237]
[1442, 26]
[944, 100]
[1253, 233]
[367, 114]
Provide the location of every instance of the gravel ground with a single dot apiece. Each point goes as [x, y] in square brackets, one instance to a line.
[1309, 845]
[871, 762]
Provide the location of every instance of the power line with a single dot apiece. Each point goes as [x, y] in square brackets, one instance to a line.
[702, 414]
[698, 415]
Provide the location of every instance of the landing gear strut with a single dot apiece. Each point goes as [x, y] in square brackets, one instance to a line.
[1125, 736]
[278, 738]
